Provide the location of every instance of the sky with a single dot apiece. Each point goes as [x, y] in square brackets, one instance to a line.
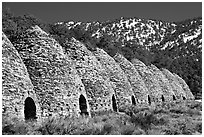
[52, 12]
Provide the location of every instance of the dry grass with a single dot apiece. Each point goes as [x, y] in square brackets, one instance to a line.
[167, 119]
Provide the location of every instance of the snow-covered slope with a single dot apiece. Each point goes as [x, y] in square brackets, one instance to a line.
[146, 32]
[187, 32]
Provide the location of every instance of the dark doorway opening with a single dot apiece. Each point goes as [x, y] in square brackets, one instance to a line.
[30, 109]
[184, 98]
[114, 103]
[149, 100]
[83, 105]
[133, 100]
[174, 98]
[162, 98]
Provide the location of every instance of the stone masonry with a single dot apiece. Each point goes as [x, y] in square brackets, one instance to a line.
[163, 82]
[149, 79]
[139, 88]
[41, 78]
[123, 89]
[16, 84]
[185, 87]
[177, 89]
[98, 87]
[57, 85]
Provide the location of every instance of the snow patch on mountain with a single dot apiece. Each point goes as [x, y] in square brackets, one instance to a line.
[144, 32]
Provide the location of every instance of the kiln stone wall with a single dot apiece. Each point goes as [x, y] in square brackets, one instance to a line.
[139, 88]
[16, 84]
[149, 79]
[98, 87]
[163, 82]
[185, 87]
[57, 85]
[177, 89]
[123, 89]
[56, 78]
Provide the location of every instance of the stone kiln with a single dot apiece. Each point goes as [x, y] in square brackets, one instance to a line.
[177, 89]
[123, 89]
[155, 91]
[40, 78]
[99, 88]
[139, 88]
[17, 88]
[185, 87]
[55, 81]
[167, 90]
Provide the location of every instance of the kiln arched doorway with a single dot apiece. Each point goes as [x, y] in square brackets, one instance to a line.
[184, 98]
[29, 109]
[162, 98]
[149, 100]
[133, 100]
[174, 97]
[114, 103]
[83, 105]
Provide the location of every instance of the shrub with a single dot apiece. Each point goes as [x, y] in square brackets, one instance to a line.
[18, 127]
[194, 105]
[127, 130]
[145, 119]
[107, 128]
[138, 131]
[199, 127]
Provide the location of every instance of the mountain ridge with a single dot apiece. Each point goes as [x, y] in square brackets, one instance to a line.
[126, 25]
